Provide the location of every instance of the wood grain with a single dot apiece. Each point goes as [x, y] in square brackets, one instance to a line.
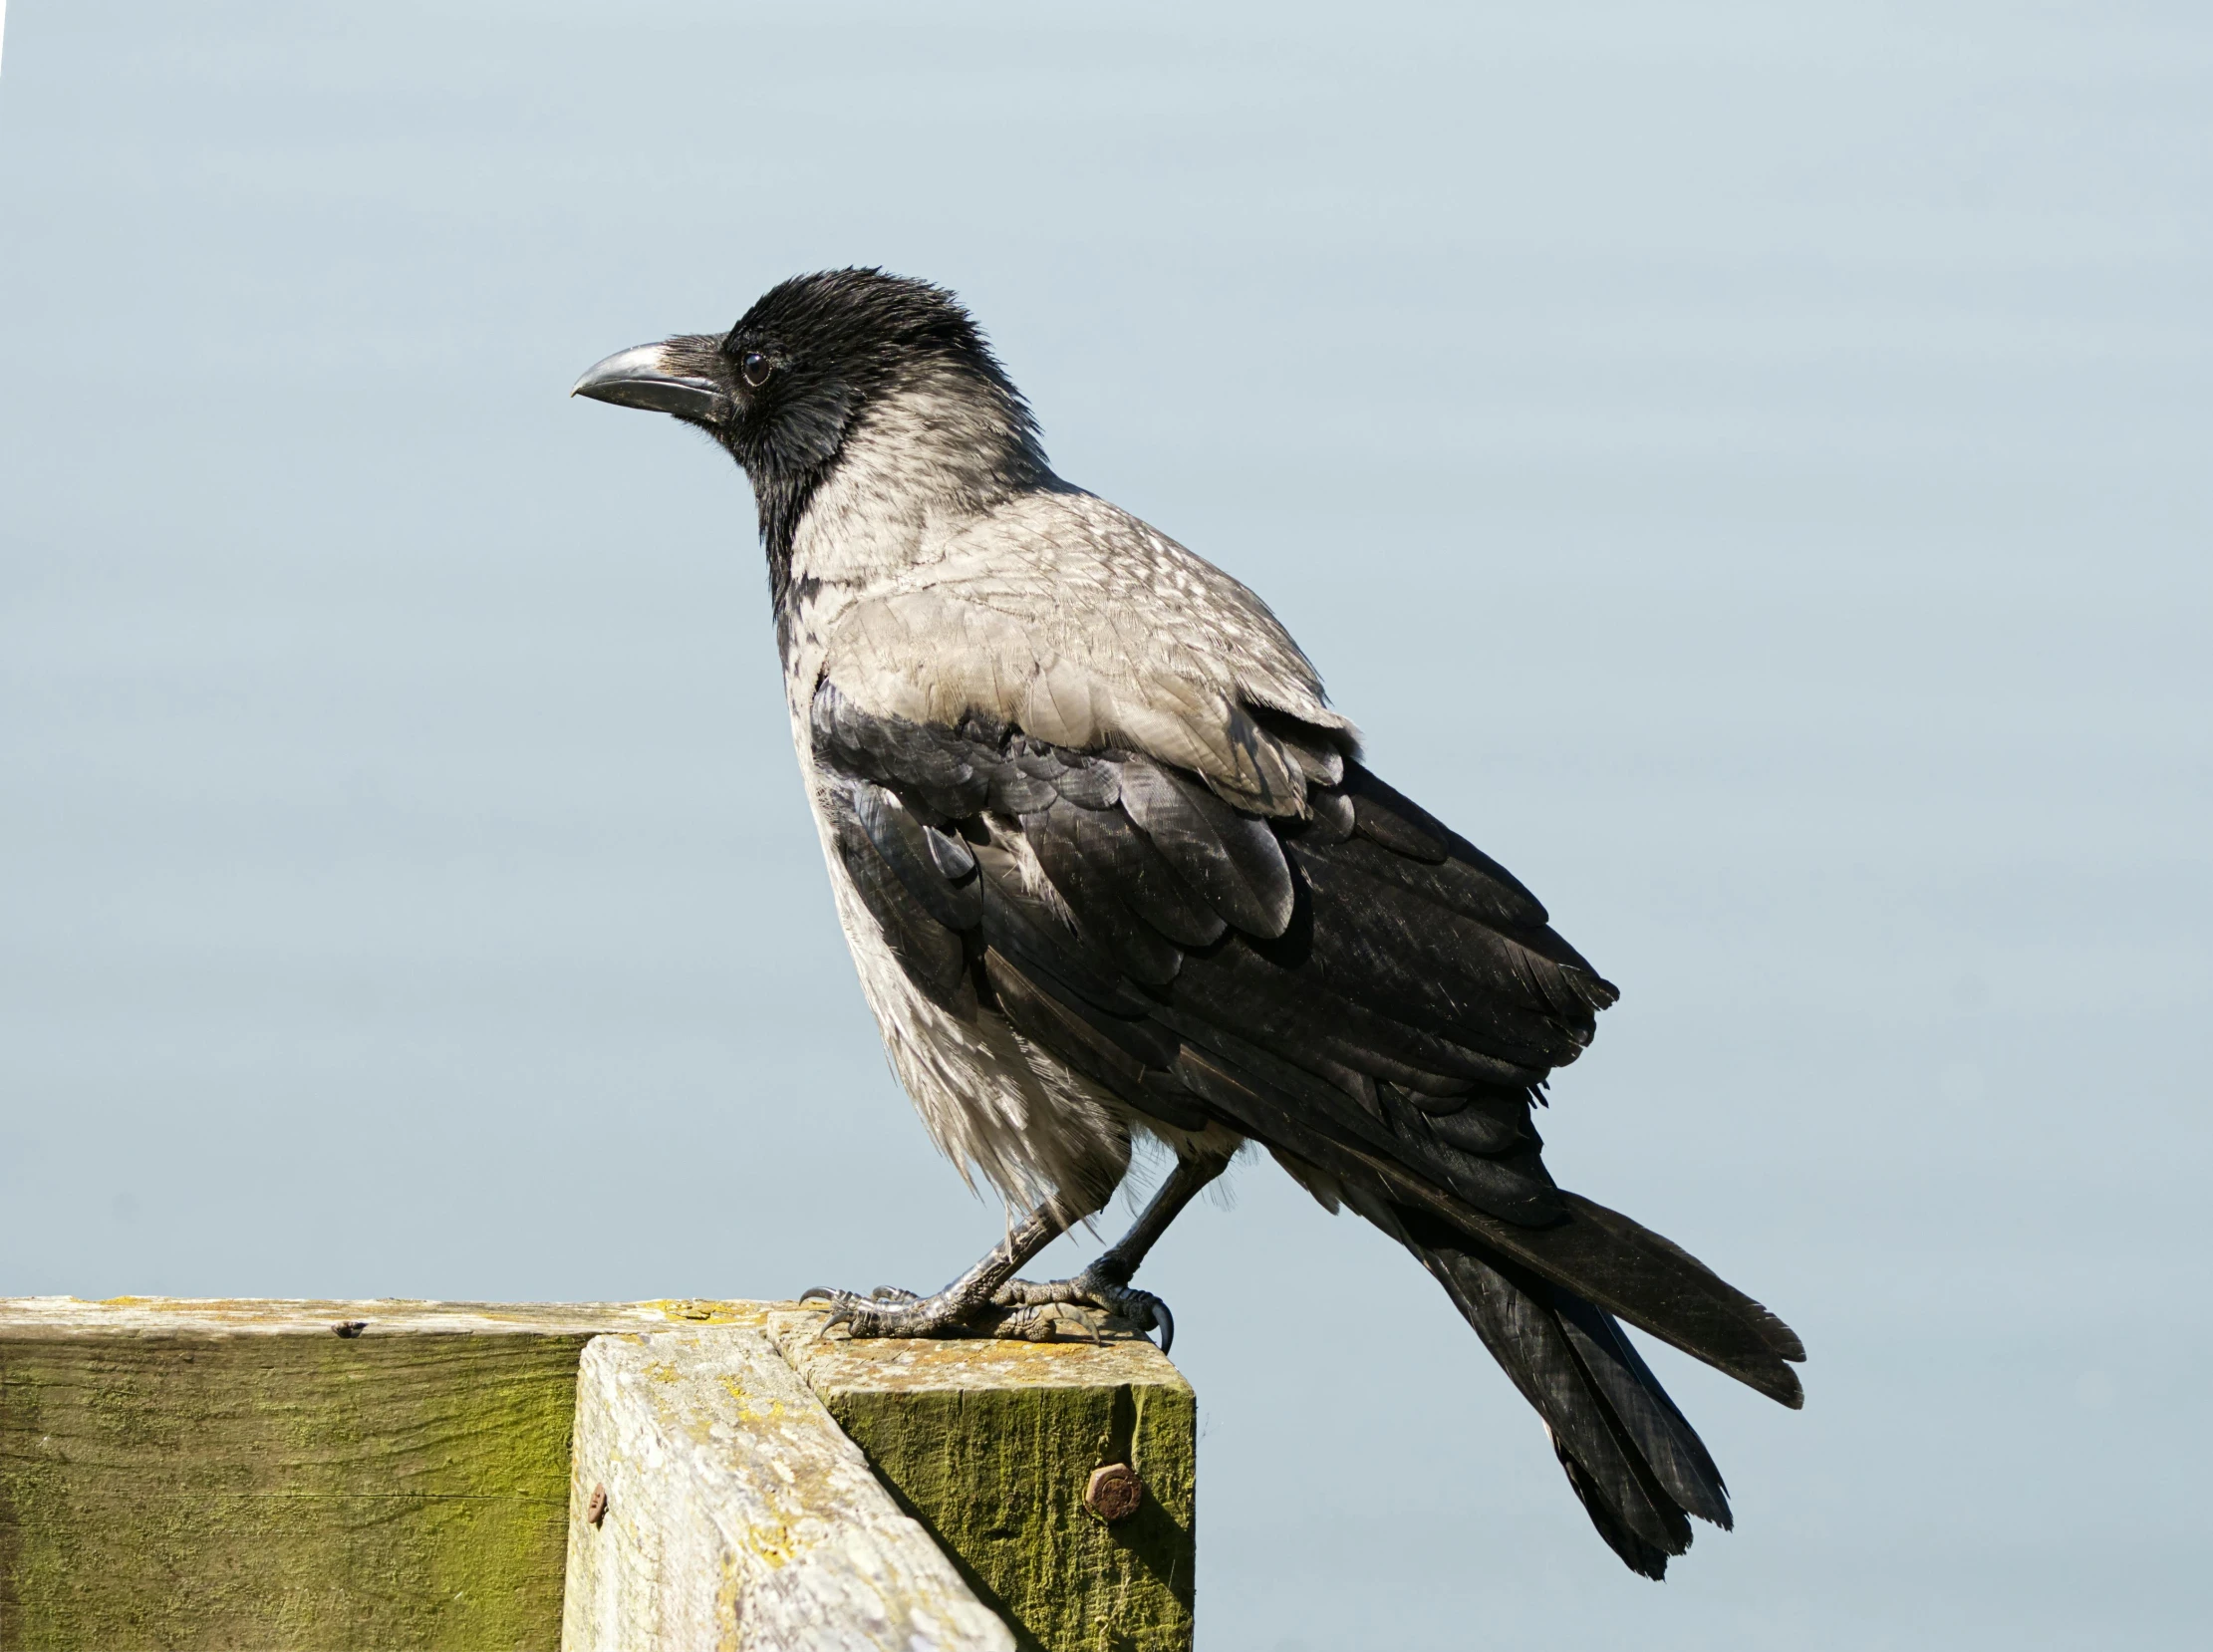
[185, 1474]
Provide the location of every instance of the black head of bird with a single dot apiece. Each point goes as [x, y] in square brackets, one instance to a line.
[784, 388]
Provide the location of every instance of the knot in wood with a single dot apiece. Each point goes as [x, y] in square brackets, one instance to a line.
[1113, 1493]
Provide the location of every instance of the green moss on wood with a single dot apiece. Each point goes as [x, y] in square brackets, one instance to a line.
[184, 1475]
[300, 1490]
[994, 1463]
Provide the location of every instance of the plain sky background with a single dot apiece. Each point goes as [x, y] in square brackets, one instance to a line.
[1747, 466]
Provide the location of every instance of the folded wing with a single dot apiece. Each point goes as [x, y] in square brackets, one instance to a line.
[1347, 981]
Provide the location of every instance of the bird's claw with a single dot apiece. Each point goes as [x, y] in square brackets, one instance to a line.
[1165, 1323]
[870, 1315]
[1031, 1312]
[840, 1308]
[882, 1294]
[1142, 1309]
[889, 1310]
[1093, 1289]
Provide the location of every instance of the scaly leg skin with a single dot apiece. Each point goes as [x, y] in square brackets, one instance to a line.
[1106, 1282]
[888, 1311]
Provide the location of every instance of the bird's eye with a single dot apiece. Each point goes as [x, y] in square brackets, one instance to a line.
[755, 368]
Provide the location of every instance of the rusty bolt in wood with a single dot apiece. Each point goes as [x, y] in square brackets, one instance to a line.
[1114, 1492]
[594, 1507]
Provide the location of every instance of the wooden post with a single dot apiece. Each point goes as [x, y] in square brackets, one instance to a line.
[993, 1445]
[714, 1504]
[342, 1474]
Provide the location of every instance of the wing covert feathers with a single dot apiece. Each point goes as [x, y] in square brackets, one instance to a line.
[1058, 613]
[1352, 983]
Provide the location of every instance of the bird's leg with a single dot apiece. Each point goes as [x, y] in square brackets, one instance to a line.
[1106, 1282]
[888, 1312]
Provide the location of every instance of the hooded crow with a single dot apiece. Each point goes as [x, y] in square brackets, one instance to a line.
[1111, 867]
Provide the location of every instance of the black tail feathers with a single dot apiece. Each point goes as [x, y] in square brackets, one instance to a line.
[1638, 1467]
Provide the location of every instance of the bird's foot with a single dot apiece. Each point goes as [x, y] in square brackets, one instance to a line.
[1095, 1287]
[890, 1312]
[1083, 1308]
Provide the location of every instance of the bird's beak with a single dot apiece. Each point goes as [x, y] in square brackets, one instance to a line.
[651, 377]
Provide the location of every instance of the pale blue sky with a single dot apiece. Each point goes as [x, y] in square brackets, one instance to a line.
[1746, 465]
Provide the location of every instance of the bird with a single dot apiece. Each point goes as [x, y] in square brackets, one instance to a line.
[1116, 876]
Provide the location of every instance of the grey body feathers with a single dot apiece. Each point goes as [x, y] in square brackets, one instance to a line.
[1050, 611]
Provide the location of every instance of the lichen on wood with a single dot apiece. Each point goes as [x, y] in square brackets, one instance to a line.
[734, 1513]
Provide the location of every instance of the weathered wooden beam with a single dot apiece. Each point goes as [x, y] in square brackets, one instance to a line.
[267, 1475]
[994, 1445]
[399, 1475]
[714, 1504]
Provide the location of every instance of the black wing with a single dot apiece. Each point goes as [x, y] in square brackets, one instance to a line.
[1361, 989]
